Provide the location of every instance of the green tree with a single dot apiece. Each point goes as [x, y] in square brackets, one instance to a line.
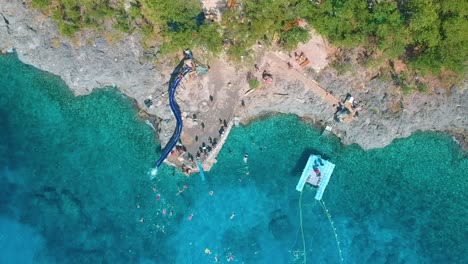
[389, 29]
[291, 38]
[430, 35]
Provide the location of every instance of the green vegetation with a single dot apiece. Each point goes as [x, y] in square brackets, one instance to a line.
[254, 83]
[180, 23]
[341, 67]
[71, 15]
[291, 38]
[40, 3]
[430, 36]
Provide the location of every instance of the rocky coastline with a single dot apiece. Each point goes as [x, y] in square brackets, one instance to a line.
[100, 62]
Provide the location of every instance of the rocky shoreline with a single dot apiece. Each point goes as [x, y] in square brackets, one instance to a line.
[89, 64]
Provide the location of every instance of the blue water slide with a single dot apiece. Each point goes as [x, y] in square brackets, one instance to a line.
[179, 74]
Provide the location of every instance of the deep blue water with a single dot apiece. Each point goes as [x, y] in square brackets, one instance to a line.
[74, 188]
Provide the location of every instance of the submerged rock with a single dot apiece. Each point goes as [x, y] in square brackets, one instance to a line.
[280, 226]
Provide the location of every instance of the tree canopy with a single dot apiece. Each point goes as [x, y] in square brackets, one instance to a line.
[429, 35]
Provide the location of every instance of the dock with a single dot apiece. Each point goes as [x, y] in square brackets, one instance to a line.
[211, 159]
[317, 173]
[200, 170]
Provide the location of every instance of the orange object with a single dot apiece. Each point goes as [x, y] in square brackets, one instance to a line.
[302, 60]
[305, 62]
[289, 26]
[231, 3]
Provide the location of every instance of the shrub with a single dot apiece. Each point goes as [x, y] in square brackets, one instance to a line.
[422, 87]
[254, 83]
[407, 89]
[294, 36]
[41, 4]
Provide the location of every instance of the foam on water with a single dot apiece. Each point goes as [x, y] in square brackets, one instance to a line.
[75, 170]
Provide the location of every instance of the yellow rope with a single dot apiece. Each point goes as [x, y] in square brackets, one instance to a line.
[333, 228]
[302, 229]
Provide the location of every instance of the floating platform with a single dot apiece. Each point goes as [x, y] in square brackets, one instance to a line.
[317, 173]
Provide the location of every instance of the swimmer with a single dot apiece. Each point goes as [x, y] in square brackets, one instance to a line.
[211, 193]
[180, 191]
[158, 197]
[246, 156]
[164, 211]
[216, 258]
[190, 217]
[231, 257]
[208, 251]
[185, 186]
[141, 220]
[232, 216]
[154, 189]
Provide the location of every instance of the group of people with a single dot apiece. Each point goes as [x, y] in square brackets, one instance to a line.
[205, 148]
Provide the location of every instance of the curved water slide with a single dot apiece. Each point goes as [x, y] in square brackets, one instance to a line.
[179, 73]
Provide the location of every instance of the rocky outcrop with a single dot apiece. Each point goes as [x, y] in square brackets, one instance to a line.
[96, 63]
[100, 63]
[83, 66]
[388, 113]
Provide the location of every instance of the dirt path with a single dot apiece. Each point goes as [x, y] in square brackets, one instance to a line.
[280, 66]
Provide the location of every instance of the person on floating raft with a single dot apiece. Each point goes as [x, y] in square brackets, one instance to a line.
[317, 162]
[316, 170]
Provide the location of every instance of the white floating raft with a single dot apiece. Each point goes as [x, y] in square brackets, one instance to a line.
[310, 176]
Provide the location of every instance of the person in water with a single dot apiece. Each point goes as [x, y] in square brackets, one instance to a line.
[246, 156]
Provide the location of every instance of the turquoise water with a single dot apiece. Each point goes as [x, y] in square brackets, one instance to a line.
[74, 188]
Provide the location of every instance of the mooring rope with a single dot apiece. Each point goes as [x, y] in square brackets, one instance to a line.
[327, 213]
[302, 229]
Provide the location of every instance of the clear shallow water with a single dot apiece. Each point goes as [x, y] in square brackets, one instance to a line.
[74, 188]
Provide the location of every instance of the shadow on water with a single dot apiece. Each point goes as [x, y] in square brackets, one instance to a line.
[302, 161]
[280, 226]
